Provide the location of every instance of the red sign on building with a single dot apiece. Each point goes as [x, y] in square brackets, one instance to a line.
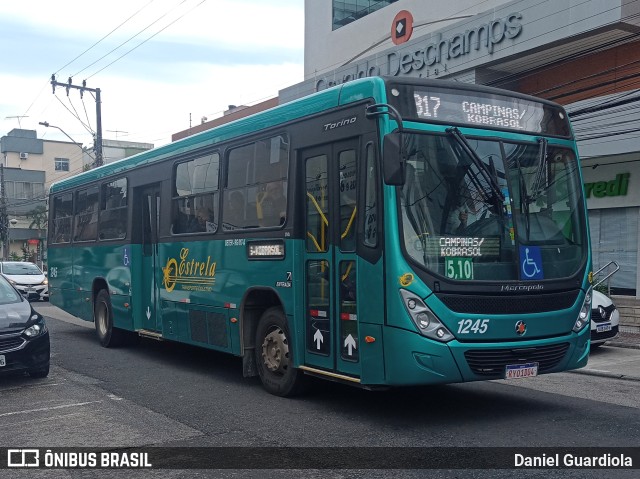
[402, 27]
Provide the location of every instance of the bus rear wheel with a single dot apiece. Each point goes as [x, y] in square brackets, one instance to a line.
[103, 317]
[274, 356]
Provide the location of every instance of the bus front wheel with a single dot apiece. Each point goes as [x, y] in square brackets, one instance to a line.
[274, 356]
[103, 317]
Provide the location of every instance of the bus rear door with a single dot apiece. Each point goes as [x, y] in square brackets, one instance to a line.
[145, 303]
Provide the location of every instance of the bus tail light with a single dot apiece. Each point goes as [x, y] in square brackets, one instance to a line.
[583, 316]
[425, 320]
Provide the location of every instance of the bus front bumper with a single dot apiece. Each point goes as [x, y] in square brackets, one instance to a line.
[411, 359]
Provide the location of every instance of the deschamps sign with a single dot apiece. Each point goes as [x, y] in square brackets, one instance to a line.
[432, 53]
[484, 36]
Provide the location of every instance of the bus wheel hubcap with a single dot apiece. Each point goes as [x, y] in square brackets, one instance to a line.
[275, 351]
[102, 322]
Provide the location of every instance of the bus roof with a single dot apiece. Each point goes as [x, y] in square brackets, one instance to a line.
[342, 94]
[352, 91]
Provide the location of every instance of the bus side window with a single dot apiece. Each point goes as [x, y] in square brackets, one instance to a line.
[196, 188]
[233, 211]
[259, 170]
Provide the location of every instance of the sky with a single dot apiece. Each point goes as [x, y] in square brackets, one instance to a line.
[161, 65]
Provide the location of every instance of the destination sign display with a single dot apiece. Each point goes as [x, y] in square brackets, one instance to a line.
[480, 109]
[265, 249]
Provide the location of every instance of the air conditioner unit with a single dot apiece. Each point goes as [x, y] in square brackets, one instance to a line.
[24, 156]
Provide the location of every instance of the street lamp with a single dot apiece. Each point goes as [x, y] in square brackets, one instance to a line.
[47, 125]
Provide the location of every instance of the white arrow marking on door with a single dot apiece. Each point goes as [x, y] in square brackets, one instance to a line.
[350, 343]
[148, 313]
[318, 338]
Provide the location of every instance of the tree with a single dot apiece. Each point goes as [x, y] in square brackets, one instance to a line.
[38, 216]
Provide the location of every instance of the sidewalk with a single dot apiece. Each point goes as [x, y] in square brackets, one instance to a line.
[629, 337]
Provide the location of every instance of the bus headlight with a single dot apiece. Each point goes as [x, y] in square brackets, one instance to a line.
[583, 316]
[425, 320]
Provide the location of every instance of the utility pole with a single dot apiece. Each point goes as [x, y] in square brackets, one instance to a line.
[97, 142]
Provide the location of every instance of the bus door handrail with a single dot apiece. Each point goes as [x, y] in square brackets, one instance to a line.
[599, 282]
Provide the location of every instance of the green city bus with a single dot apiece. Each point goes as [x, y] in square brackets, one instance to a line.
[384, 232]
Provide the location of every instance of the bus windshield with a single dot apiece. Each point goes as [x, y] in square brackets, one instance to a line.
[491, 209]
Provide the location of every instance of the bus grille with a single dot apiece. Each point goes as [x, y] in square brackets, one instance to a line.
[492, 362]
[538, 303]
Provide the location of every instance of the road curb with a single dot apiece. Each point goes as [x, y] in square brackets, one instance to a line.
[623, 345]
[605, 374]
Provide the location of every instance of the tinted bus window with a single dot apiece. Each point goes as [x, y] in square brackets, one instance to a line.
[195, 202]
[62, 214]
[256, 185]
[113, 210]
[317, 204]
[347, 187]
[86, 228]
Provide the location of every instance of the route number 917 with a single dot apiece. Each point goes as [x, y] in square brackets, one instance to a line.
[478, 326]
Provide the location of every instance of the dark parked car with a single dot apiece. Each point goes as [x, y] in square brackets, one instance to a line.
[24, 338]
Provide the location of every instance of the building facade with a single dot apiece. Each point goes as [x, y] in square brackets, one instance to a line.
[114, 150]
[31, 165]
[583, 54]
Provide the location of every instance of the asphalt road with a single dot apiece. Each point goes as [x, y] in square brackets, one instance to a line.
[164, 394]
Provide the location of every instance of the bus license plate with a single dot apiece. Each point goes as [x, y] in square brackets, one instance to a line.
[601, 328]
[518, 371]
[3, 361]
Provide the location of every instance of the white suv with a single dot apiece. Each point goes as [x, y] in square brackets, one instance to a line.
[26, 278]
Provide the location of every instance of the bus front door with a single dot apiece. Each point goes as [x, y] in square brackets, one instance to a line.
[332, 340]
[146, 305]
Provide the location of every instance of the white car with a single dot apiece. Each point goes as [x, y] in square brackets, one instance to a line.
[605, 319]
[27, 278]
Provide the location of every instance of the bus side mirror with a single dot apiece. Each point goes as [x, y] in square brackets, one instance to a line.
[393, 159]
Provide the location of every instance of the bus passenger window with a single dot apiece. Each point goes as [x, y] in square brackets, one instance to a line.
[233, 211]
[259, 172]
[271, 206]
[86, 214]
[203, 221]
[62, 215]
[195, 202]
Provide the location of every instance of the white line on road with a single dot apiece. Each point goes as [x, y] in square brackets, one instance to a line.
[27, 411]
[40, 420]
[29, 386]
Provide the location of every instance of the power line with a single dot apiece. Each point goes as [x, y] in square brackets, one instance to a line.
[129, 39]
[146, 40]
[104, 37]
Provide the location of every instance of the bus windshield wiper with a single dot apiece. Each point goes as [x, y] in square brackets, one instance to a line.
[486, 173]
[525, 199]
[537, 189]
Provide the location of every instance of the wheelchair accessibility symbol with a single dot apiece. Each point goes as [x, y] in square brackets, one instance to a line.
[531, 262]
